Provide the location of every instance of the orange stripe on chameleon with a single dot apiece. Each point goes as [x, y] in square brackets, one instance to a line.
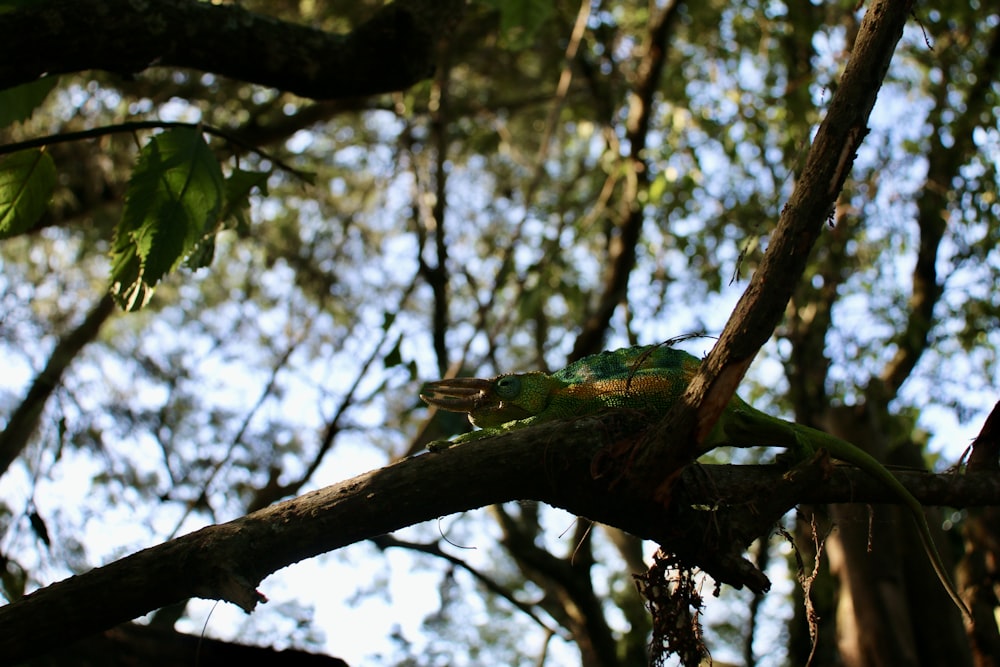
[637, 386]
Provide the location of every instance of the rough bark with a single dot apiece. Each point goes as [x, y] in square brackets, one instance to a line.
[762, 305]
[565, 464]
[391, 51]
[131, 644]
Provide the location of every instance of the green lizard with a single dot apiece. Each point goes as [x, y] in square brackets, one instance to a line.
[649, 378]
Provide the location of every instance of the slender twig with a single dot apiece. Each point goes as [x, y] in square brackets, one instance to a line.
[137, 125]
[384, 542]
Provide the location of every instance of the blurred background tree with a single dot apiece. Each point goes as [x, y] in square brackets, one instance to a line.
[568, 178]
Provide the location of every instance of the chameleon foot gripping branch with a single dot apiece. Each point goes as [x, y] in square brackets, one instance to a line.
[649, 378]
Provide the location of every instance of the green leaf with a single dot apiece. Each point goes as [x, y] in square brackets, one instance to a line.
[657, 188]
[17, 103]
[237, 191]
[239, 185]
[203, 253]
[520, 20]
[173, 201]
[27, 179]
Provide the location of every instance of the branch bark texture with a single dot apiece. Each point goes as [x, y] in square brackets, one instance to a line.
[391, 51]
[762, 305]
[564, 464]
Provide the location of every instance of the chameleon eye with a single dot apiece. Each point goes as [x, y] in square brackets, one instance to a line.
[508, 387]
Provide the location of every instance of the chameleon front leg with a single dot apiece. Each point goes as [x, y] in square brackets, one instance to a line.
[441, 445]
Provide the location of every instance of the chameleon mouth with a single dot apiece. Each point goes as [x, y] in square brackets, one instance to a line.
[457, 394]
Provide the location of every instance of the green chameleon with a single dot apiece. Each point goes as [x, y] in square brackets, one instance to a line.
[648, 378]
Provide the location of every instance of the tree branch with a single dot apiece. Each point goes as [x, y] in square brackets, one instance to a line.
[385, 542]
[762, 305]
[391, 51]
[719, 510]
[138, 125]
[132, 644]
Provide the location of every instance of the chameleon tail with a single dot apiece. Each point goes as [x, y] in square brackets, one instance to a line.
[744, 426]
[845, 451]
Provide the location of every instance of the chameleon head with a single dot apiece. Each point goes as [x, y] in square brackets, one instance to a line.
[490, 403]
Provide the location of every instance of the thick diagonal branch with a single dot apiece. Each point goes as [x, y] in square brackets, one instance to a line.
[762, 305]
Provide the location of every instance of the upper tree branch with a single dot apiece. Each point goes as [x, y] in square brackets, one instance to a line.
[391, 51]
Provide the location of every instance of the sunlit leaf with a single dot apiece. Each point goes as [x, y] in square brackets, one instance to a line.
[173, 200]
[27, 179]
[239, 185]
[18, 103]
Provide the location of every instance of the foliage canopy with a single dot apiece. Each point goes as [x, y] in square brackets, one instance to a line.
[300, 248]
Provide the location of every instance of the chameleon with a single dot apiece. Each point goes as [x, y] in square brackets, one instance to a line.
[650, 378]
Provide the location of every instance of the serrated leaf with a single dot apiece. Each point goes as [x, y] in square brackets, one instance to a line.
[203, 253]
[239, 185]
[173, 201]
[27, 179]
[18, 103]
